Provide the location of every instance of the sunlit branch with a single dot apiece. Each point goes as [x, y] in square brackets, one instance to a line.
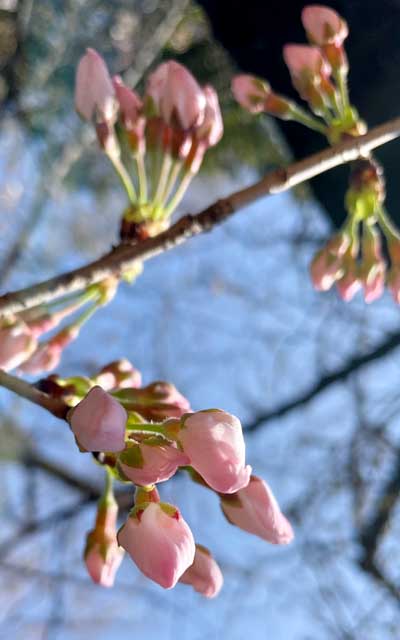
[123, 257]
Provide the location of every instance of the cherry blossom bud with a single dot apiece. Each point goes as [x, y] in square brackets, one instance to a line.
[150, 461]
[102, 553]
[130, 107]
[373, 269]
[310, 72]
[305, 60]
[374, 283]
[99, 421]
[323, 25]
[17, 343]
[212, 128]
[159, 541]
[94, 91]
[214, 442]
[255, 509]
[177, 97]
[250, 92]
[158, 401]
[256, 96]
[120, 374]
[46, 358]
[107, 139]
[204, 575]
[349, 283]
[48, 355]
[326, 265]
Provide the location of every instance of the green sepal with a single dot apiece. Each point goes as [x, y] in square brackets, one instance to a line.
[169, 509]
[132, 456]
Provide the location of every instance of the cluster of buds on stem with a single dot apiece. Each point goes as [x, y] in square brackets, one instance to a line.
[165, 133]
[21, 336]
[353, 258]
[319, 74]
[144, 435]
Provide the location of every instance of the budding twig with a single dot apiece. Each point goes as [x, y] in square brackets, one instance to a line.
[121, 259]
[28, 391]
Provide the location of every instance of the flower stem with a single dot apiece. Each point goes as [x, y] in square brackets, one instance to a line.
[386, 224]
[145, 427]
[180, 192]
[163, 178]
[124, 177]
[307, 119]
[169, 187]
[341, 81]
[142, 177]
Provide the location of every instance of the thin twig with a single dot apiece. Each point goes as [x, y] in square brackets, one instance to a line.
[28, 391]
[123, 257]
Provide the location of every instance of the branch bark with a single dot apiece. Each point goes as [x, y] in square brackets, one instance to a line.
[123, 257]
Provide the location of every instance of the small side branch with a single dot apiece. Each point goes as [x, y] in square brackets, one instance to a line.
[28, 391]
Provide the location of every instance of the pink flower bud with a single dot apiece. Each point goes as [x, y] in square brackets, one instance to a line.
[326, 265]
[254, 509]
[349, 284]
[48, 355]
[99, 421]
[46, 358]
[212, 128]
[373, 270]
[374, 284]
[256, 96]
[214, 442]
[150, 461]
[323, 25]
[102, 562]
[177, 97]
[120, 374]
[250, 92]
[17, 343]
[305, 60]
[94, 91]
[310, 72]
[159, 541]
[130, 107]
[204, 575]
[158, 401]
[102, 554]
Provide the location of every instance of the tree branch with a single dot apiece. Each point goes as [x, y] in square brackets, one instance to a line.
[25, 390]
[372, 532]
[340, 375]
[123, 257]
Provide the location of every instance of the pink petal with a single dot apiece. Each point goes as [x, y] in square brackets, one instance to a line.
[204, 575]
[161, 545]
[99, 421]
[255, 509]
[214, 442]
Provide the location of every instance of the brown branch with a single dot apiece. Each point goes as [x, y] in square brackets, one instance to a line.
[340, 375]
[123, 257]
[25, 390]
[374, 529]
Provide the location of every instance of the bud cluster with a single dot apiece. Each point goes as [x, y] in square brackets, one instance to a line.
[353, 258]
[20, 344]
[143, 435]
[319, 74]
[166, 132]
